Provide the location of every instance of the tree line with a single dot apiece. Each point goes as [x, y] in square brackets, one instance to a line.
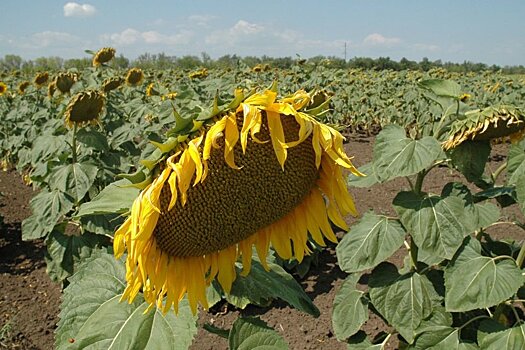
[163, 61]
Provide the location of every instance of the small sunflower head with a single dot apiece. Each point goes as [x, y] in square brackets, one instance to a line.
[64, 82]
[169, 96]
[84, 108]
[103, 55]
[257, 68]
[41, 79]
[3, 88]
[201, 73]
[112, 84]
[490, 123]
[134, 76]
[464, 97]
[150, 90]
[23, 86]
[51, 88]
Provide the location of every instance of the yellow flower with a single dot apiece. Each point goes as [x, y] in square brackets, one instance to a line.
[201, 73]
[150, 91]
[51, 88]
[103, 55]
[464, 97]
[23, 86]
[169, 96]
[487, 124]
[84, 108]
[112, 84]
[41, 79]
[3, 88]
[134, 76]
[263, 173]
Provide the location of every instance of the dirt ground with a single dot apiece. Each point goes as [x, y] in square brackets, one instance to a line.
[29, 304]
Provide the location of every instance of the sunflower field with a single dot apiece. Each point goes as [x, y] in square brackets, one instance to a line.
[163, 193]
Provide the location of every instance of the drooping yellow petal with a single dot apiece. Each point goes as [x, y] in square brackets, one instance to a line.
[277, 134]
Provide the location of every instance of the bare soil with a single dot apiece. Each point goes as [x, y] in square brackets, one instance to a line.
[29, 303]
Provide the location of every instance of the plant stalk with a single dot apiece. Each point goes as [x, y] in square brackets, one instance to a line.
[498, 171]
[521, 256]
[74, 144]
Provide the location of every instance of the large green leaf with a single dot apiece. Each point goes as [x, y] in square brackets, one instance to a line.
[93, 139]
[117, 197]
[520, 192]
[396, 155]
[372, 240]
[92, 317]
[253, 333]
[470, 158]
[434, 222]
[350, 310]
[48, 209]
[441, 87]
[446, 338]
[403, 300]
[515, 163]
[494, 336]
[368, 180]
[66, 252]
[74, 179]
[474, 281]
[261, 286]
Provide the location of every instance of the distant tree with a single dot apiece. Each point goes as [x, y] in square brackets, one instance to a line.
[11, 62]
[79, 63]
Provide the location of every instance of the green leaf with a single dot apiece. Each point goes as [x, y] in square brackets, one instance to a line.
[261, 286]
[444, 338]
[49, 207]
[473, 281]
[66, 252]
[396, 155]
[520, 192]
[515, 163]
[253, 333]
[32, 228]
[434, 222]
[93, 139]
[470, 158]
[359, 341]
[372, 240]
[442, 88]
[350, 309]
[92, 317]
[115, 198]
[363, 181]
[403, 300]
[74, 179]
[493, 336]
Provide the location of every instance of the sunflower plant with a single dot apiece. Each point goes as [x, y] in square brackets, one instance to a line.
[459, 287]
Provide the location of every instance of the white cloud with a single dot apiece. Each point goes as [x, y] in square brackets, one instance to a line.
[426, 47]
[132, 36]
[73, 9]
[201, 20]
[49, 38]
[377, 39]
[239, 32]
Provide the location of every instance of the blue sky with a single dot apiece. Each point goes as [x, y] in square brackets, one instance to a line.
[492, 32]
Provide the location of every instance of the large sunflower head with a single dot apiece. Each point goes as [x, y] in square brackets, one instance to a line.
[23, 86]
[41, 79]
[134, 76]
[3, 88]
[487, 124]
[64, 82]
[84, 108]
[112, 84]
[103, 55]
[261, 172]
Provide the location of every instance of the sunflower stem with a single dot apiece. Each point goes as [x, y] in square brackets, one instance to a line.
[74, 144]
[521, 256]
[498, 171]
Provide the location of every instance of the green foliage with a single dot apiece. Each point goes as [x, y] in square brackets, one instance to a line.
[459, 287]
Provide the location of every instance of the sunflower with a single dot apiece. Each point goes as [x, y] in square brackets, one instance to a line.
[41, 79]
[487, 124]
[134, 76]
[103, 55]
[3, 88]
[169, 96]
[112, 84]
[85, 107]
[201, 73]
[64, 82]
[150, 90]
[265, 172]
[51, 88]
[23, 86]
